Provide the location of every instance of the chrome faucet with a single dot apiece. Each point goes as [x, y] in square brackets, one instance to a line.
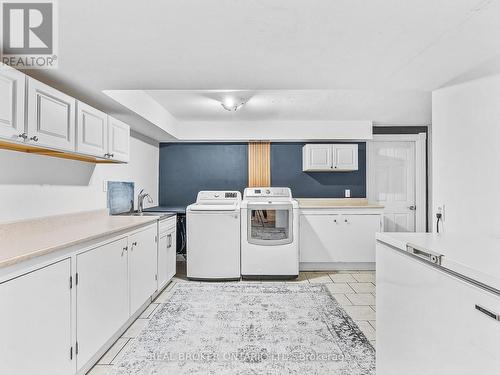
[140, 201]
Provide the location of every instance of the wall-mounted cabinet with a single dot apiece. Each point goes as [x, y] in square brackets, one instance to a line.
[12, 98]
[92, 131]
[51, 117]
[39, 119]
[118, 140]
[330, 157]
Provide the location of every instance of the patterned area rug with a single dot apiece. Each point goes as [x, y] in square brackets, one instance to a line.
[249, 328]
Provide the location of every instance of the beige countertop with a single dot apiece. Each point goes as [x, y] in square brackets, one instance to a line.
[22, 240]
[336, 203]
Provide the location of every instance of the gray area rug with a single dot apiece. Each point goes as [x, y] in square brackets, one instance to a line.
[249, 328]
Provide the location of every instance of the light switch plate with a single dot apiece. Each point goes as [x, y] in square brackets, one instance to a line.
[348, 193]
[105, 186]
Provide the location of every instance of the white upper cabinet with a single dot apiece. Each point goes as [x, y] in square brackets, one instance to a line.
[317, 157]
[345, 157]
[118, 140]
[12, 96]
[330, 157]
[91, 131]
[51, 117]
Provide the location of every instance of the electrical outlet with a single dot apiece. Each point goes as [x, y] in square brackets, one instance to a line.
[348, 193]
[440, 210]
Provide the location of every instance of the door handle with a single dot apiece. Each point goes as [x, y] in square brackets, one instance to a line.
[412, 207]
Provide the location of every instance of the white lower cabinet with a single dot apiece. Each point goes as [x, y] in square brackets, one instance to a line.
[167, 255]
[142, 267]
[35, 322]
[102, 296]
[59, 318]
[338, 238]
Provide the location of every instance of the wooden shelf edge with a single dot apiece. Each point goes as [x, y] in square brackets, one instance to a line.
[52, 153]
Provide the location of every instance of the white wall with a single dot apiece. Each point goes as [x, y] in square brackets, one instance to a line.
[466, 155]
[34, 185]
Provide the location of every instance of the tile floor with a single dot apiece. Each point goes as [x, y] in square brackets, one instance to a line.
[354, 290]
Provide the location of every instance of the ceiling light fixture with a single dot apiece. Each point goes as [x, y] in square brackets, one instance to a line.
[231, 105]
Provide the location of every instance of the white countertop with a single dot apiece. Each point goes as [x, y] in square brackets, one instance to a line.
[306, 203]
[26, 239]
[476, 257]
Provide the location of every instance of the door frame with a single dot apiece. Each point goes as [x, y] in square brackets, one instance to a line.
[420, 141]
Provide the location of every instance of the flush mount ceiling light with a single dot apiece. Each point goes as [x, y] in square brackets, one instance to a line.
[231, 104]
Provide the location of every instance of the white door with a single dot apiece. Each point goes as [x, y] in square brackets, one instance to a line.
[142, 267]
[317, 157]
[354, 238]
[102, 296]
[118, 140]
[316, 238]
[345, 157]
[166, 257]
[51, 117]
[91, 131]
[392, 183]
[35, 322]
[12, 89]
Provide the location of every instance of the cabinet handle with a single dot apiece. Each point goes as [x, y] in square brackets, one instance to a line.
[335, 221]
[111, 155]
[487, 312]
[124, 249]
[169, 243]
[24, 136]
[346, 221]
[106, 155]
[34, 138]
[134, 243]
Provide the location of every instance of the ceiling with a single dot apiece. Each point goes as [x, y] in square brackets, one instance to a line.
[388, 107]
[322, 59]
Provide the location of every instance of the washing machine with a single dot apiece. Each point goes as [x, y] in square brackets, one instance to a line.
[269, 234]
[213, 236]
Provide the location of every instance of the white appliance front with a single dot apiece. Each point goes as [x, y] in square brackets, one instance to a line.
[269, 234]
[432, 322]
[213, 236]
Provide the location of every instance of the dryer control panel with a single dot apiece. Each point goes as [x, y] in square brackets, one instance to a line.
[268, 192]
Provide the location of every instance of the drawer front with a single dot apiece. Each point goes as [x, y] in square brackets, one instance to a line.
[166, 224]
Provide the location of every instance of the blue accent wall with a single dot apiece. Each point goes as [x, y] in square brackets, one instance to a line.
[286, 170]
[187, 168]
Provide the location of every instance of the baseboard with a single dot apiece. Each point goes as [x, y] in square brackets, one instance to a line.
[337, 266]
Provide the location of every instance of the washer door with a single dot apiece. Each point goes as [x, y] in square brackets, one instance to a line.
[270, 224]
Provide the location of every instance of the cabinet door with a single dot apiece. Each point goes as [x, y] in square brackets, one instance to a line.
[345, 157]
[317, 157]
[91, 131]
[35, 322]
[317, 238]
[354, 240]
[12, 89]
[118, 140]
[102, 296]
[171, 253]
[142, 267]
[51, 117]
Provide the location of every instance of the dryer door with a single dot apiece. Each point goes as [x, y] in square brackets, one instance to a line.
[270, 224]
